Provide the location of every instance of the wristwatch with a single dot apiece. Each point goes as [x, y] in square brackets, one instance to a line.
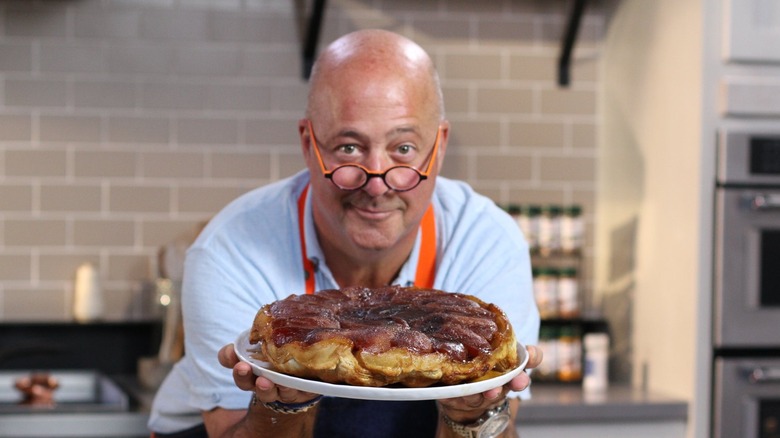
[489, 425]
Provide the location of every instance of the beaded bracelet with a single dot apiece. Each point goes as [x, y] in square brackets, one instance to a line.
[289, 408]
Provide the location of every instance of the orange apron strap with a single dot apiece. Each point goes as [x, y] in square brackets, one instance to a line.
[308, 266]
[426, 264]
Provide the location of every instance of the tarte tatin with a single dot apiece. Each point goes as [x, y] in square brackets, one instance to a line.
[385, 336]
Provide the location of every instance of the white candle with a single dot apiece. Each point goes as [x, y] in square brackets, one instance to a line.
[88, 297]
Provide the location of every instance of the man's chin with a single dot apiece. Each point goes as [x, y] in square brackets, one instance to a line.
[373, 245]
[374, 239]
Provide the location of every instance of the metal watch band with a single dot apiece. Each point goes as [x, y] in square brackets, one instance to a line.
[289, 408]
[472, 430]
[460, 429]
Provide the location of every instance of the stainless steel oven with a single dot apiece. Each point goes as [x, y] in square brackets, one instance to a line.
[747, 398]
[746, 314]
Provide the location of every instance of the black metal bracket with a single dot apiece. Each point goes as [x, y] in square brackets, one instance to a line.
[314, 24]
[569, 37]
[312, 37]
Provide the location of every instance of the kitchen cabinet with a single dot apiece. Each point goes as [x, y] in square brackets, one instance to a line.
[752, 31]
[749, 94]
[746, 65]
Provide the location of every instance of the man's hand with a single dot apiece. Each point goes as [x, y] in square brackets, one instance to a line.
[265, 390]
[258, 420]
[470, 408]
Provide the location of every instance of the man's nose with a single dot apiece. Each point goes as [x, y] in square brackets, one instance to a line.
[375, 186]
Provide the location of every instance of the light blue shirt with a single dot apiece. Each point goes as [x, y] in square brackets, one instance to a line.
[250, 255]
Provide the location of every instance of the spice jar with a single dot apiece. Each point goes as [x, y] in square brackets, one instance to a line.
[570, 354]
[528, 220]
[550, 230]
[572, 229]
[545, 285]
[567, 292]
[547, 370]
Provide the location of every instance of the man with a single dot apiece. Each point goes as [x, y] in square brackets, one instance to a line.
[369, 211]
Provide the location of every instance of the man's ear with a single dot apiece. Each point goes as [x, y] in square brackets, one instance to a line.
[443, 140]
[304, 138]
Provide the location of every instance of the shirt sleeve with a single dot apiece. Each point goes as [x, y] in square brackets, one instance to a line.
[216, 309]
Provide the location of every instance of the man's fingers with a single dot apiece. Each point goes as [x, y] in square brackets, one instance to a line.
[242, 371]
[493, 394]
[243, 376]
[227, 356]
[534, 356]
[520, 382]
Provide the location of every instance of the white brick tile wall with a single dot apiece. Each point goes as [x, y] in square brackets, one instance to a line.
[16, 56]
[36, 92]
[124, 123]
[116, 94]
[135, 57]
[56, 56]
[57, 128]
[138, 129]
[16, 127]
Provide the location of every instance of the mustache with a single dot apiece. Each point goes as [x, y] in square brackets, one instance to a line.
[360, 199]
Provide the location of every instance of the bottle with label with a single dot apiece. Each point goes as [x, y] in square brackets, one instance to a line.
[570, 354]
[547, 371]
[545, 285]
[595, 378]
[572, 229]
[528, 220]
[550, 230]
[568, 295]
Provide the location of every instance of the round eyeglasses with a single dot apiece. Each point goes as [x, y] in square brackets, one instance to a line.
[353, 176]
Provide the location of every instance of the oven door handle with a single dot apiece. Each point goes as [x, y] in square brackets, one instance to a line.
[760, 375]
[764, 201]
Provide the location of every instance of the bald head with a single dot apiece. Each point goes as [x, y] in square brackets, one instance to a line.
[374, 59]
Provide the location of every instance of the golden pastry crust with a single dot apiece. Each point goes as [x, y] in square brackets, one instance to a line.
[384, 336]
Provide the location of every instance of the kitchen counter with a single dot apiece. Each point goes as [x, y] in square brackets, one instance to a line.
[556, 406]
[568, 403]
[565, 410]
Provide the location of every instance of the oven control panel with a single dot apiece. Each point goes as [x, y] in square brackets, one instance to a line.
[749, 158]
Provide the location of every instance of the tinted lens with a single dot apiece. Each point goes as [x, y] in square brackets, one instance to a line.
[349, 177]
[402, 178]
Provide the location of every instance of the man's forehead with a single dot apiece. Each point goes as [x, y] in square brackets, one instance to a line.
[392, 131]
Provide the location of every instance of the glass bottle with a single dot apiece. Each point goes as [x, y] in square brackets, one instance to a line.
[550, 230]
[570, 354]
[548, 342]
[545, 285]
[572, 229]
[528, 220]
[568, 293]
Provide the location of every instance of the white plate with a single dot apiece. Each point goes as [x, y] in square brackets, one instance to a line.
[243, 350]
